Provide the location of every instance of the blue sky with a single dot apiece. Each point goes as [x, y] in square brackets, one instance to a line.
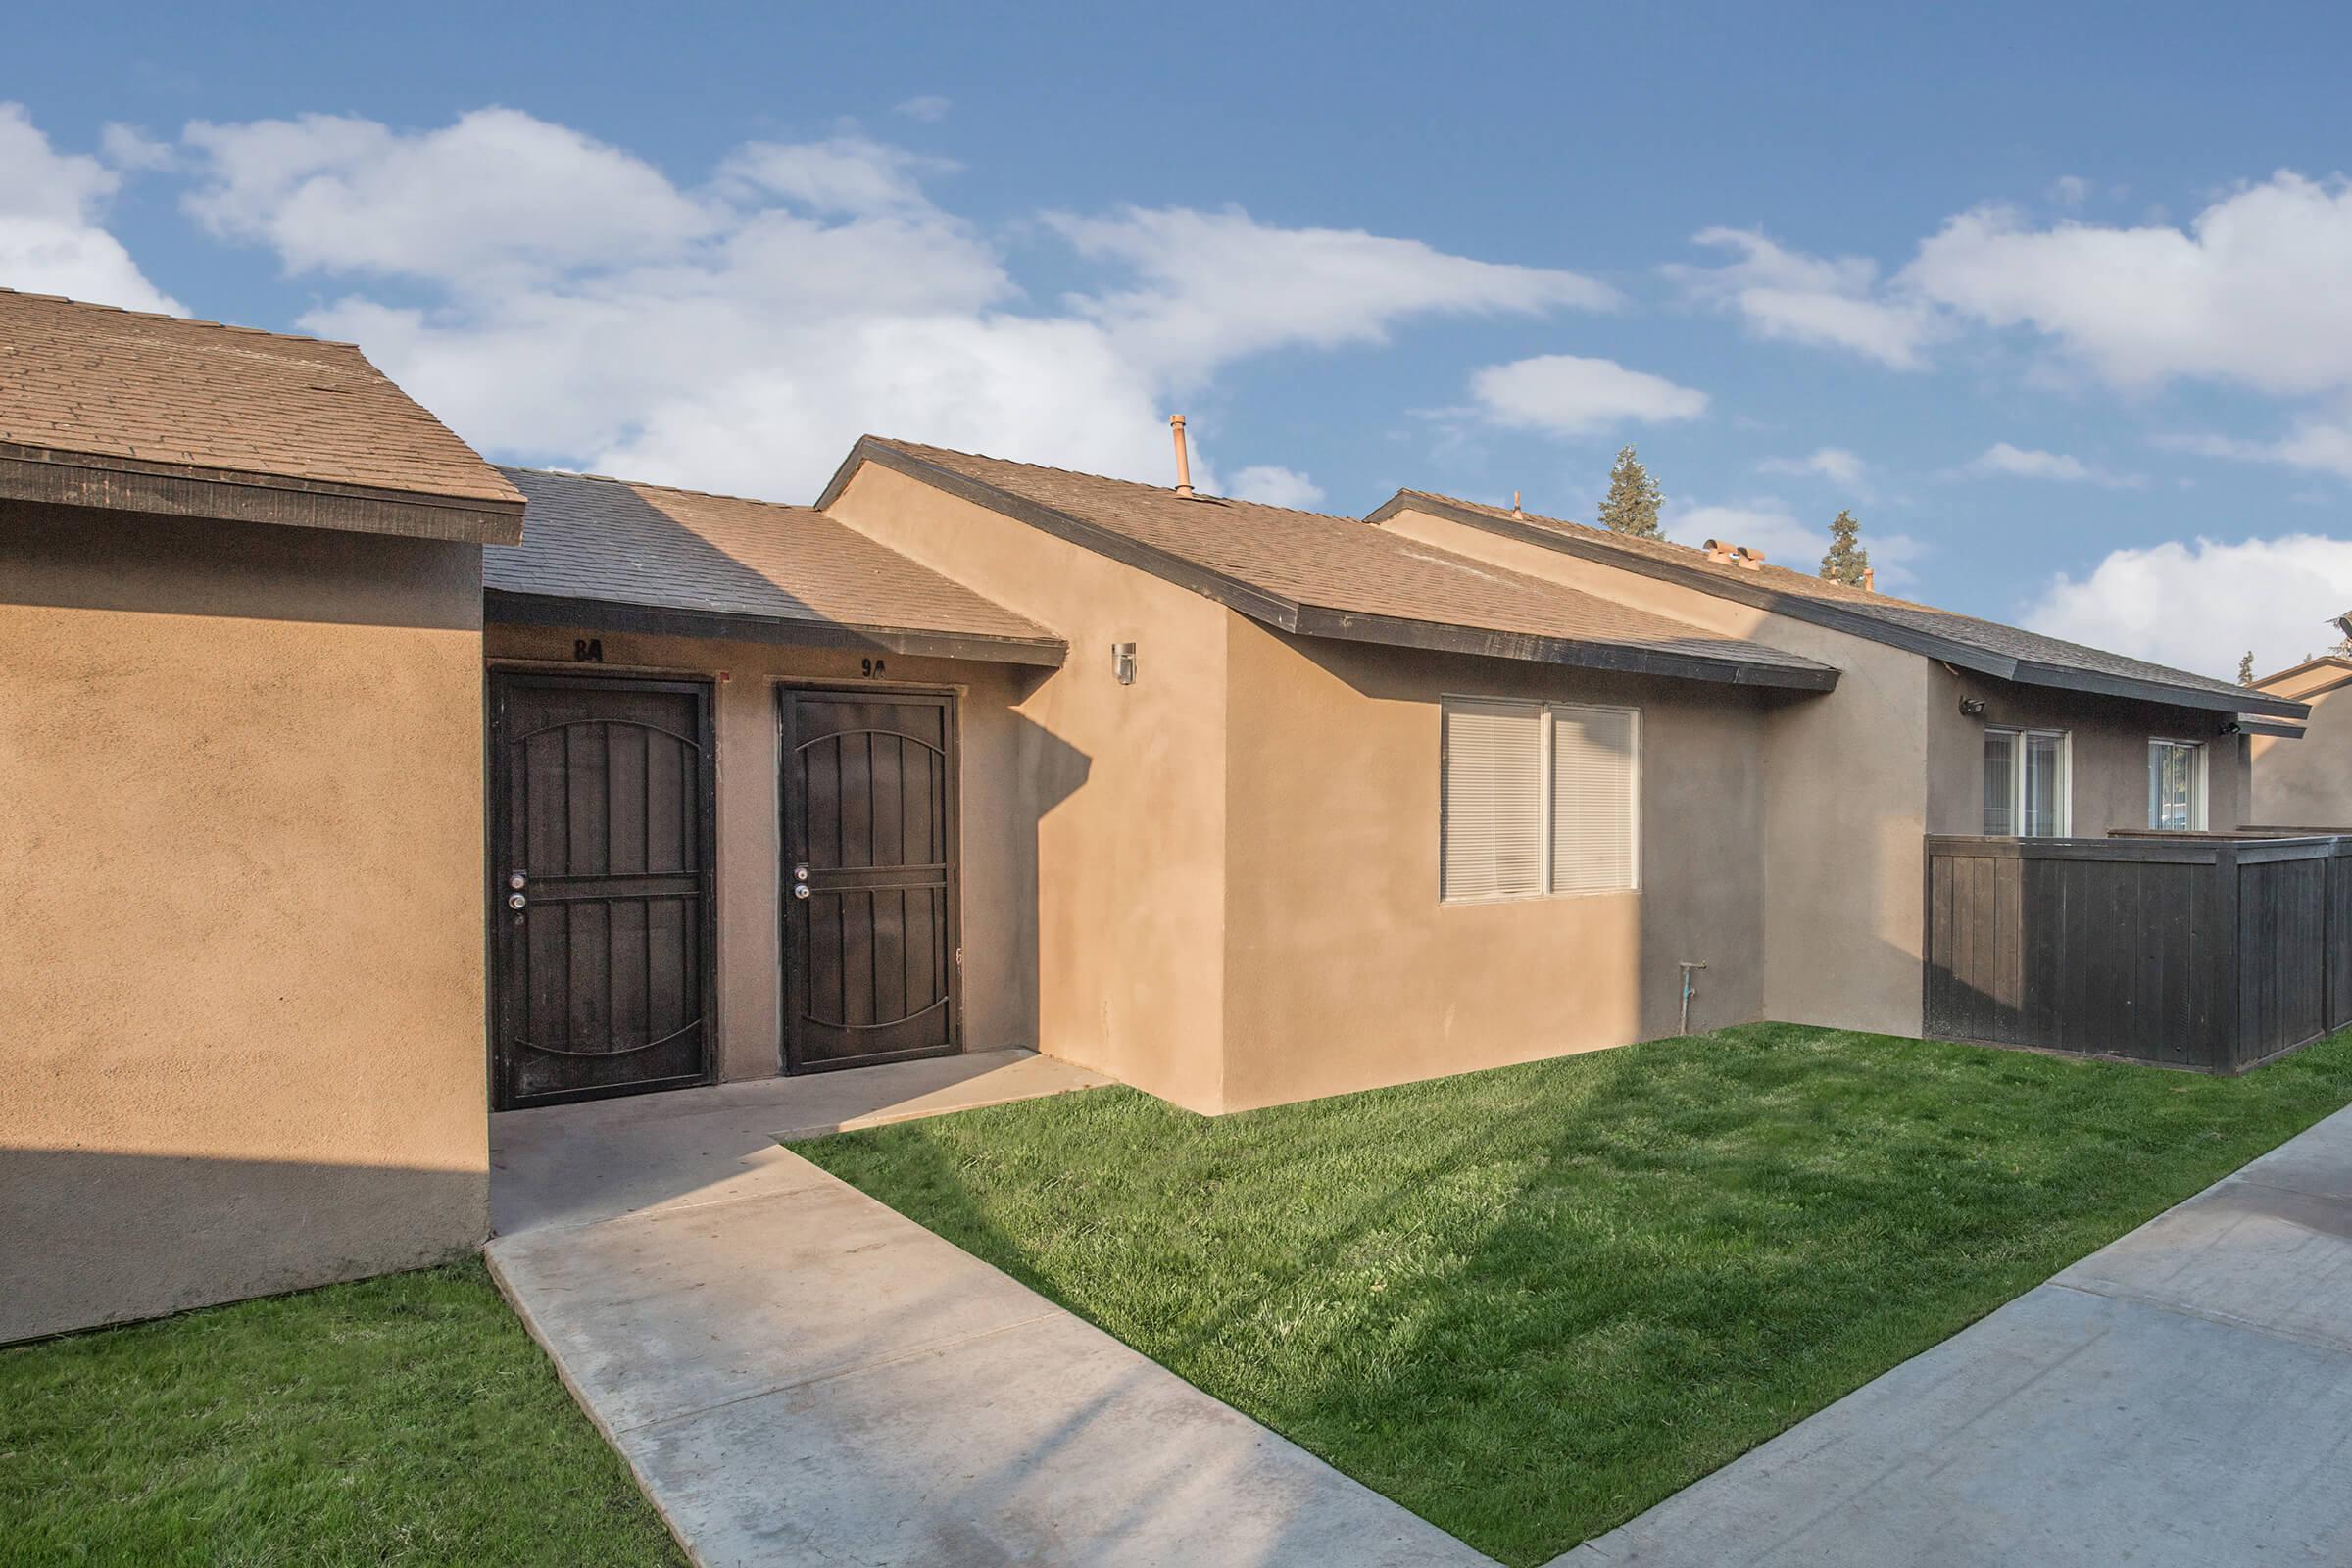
[2056, 303]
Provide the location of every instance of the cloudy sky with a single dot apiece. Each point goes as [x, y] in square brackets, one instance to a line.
[2061, 305]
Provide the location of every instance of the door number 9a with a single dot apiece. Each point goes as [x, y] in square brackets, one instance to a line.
[870, 667]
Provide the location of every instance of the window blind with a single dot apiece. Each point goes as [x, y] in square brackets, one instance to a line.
[1491, 842]
[1592, 816]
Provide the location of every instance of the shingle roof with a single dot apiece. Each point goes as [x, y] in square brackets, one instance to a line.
[2009, 652]
[1327, 576]
[728, 566]
[202, 402]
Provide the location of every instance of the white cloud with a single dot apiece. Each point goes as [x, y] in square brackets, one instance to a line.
[128, 147]
[2199, 605]
[1562, 394]
[2250, 292]
[1277, 486]
[2005, 462]
[2071, 190]
[560, 299]
[845, 175]
[497, 189]
[928, 107]
[52, 240]
[1787, 295]
[1211, 285]
[2319, 444]
[1834, 464]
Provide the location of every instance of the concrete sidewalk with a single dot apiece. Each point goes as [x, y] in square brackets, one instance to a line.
[2180, 1399]
[797, 1375]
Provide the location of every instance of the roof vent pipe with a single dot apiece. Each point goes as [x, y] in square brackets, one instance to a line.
[1515, 512]
[1184, 462]
[1869, 579]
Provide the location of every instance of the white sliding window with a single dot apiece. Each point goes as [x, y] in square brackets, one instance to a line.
[1538, 799]
[2028, 784]
[2176, 785]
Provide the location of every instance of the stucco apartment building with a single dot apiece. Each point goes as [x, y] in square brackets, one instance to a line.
[349, 813]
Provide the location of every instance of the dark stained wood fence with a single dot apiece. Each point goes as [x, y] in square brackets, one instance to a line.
[2202, 952]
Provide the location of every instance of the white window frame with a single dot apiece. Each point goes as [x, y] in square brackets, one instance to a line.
[1545, 789]
[2019, 734]
[2197, 798]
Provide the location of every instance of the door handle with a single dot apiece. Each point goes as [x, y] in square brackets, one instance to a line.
[515, 900]
[799, 890]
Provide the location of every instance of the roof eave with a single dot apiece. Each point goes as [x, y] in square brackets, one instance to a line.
[2264, 726]
[61, 477]
[504, 607]
[1313, 620]
[1759, 595]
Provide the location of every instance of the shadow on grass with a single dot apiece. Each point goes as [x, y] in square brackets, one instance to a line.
[1531, 1302]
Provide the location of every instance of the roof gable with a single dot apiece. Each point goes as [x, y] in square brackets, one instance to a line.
[119, 409]
[1318, 576]
[2007, 653]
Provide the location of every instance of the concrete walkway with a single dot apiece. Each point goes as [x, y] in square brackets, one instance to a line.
[2180, 1399]
[797, 1375]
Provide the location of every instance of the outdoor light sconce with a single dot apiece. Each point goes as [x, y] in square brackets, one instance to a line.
[1972, 708]
[1122, 663]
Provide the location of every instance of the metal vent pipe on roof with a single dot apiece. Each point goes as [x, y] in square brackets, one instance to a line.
[1184, 462]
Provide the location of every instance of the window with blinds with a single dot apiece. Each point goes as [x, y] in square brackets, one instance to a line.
[1538, 799]
[1593, 819]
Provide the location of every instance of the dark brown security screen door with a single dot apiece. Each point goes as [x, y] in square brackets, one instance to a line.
[602, 804]
[870, 881]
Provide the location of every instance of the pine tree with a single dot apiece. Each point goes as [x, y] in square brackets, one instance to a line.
[2245, 667]
[1633, 497]
[1847, 562]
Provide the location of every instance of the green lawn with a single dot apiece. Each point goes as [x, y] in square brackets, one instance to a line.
[408, 1419]
[1529, 1303]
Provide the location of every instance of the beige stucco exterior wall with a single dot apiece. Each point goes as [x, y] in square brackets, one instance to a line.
[241, 1008]
[2306, 781]
[1128, 781]
[998, 818]
[1844, 793]
[1344, 970]
[2108, 753]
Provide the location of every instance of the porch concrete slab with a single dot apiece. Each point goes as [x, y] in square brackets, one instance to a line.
[572, 1164]
[2181, 1397]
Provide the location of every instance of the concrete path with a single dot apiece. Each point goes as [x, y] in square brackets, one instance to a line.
[2180, 1399]
[797, 1375]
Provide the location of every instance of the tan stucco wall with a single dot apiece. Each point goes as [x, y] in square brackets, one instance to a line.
[2306, 781]
[2108, 750]
[997, 817]
[1344, 968]
[1844, 793]
[242, 1048]
[1128, 781]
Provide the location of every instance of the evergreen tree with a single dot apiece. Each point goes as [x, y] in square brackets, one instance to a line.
[1847, 562]
[2245, 667]
[1634, 495]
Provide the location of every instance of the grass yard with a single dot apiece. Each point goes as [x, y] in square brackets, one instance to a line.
[1529, 1303]
[408, 1419]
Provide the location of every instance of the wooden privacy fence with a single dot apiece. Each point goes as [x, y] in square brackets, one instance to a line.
[2211, 952]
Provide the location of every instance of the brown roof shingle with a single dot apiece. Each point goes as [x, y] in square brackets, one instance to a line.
[1321, 575]
[2010, 652]
[206, 402]
[746, 567]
